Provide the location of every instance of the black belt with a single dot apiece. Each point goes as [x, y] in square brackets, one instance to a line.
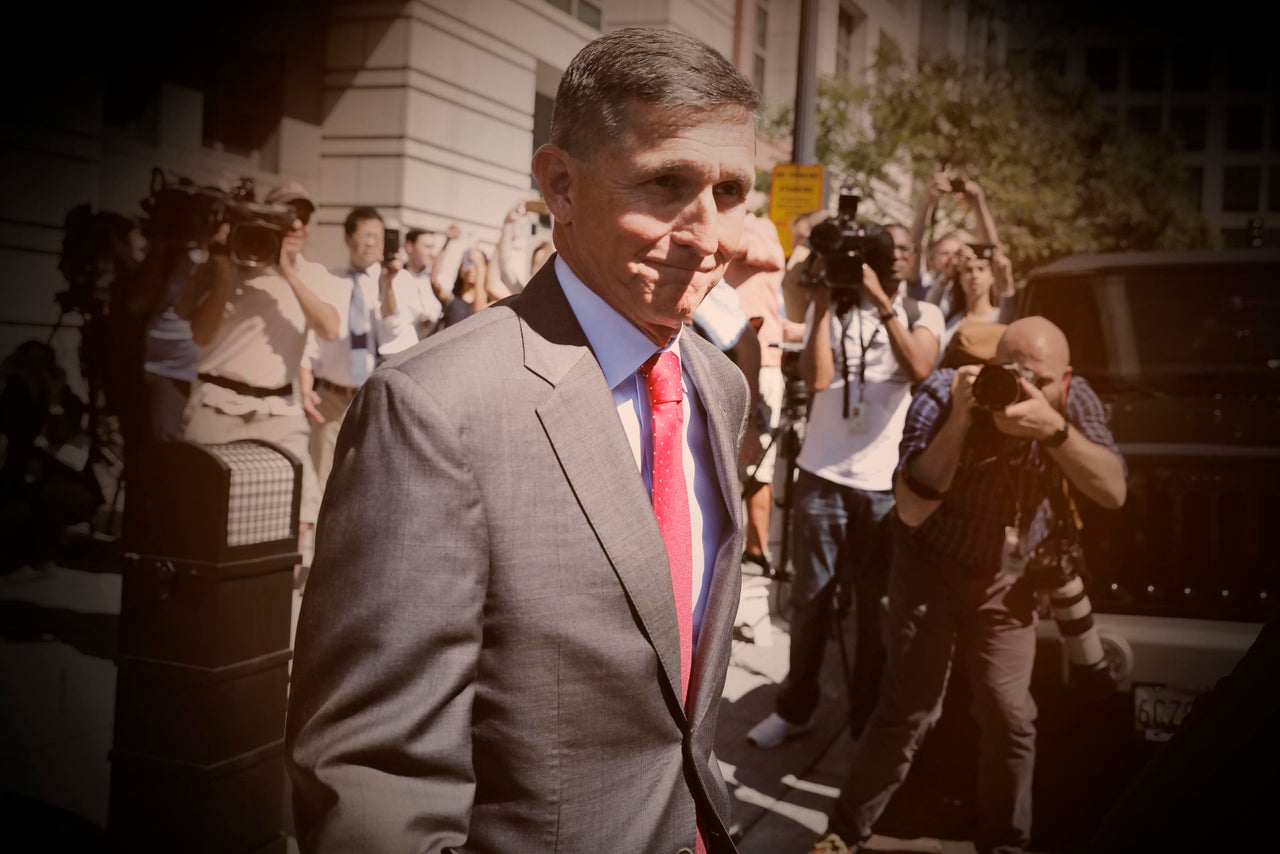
[345, 390]
[244, 388]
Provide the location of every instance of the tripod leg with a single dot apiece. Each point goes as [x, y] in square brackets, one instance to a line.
[838, 611]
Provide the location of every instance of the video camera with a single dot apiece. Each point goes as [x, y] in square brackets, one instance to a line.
[845, 246]
[181, 212]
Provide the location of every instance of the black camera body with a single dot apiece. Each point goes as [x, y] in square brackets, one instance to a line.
[997, 386]
[845, 246]
[957, 184]
[390, 245]
[184, 213]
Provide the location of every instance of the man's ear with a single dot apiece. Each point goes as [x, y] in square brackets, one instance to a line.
[553, 169]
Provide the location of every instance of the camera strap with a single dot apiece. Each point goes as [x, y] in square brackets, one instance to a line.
[864, 344]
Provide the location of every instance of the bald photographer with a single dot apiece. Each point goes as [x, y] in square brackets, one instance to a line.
[986, 455]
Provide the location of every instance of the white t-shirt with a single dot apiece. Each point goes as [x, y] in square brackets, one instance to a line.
[416, 303]
[720, 316]
[862, 452]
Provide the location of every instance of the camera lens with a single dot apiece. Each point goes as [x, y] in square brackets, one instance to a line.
[826, 236]
[253, 244]
[996, 387]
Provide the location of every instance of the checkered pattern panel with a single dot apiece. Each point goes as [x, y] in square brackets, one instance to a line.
[261, 502]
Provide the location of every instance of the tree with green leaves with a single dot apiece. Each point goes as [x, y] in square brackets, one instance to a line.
[1062, 174]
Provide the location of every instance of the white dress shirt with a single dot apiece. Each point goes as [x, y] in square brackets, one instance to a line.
[416, 303]
[621, 349]
[331, 360]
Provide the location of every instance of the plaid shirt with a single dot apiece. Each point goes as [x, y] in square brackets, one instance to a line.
[994, 471]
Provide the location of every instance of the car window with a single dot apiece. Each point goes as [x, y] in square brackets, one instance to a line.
[1169, 326]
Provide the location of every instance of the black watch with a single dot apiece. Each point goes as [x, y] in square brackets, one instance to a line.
[1056, 440]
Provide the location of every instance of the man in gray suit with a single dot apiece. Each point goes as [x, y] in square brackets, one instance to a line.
[517, 627]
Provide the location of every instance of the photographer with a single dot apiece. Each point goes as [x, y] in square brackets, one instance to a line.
[983, 272]
[936, 282]
[414, 295]
[251, 324]
[974, 492]
[368, 318]
[864, 348]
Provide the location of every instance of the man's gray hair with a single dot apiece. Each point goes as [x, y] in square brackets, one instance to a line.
[654, 66]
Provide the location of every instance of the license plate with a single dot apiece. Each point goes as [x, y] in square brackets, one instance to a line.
[1159, 709]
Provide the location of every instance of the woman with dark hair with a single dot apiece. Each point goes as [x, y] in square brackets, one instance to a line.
[470, 289]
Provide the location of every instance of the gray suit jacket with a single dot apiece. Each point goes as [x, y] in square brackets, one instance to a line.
[487, 657]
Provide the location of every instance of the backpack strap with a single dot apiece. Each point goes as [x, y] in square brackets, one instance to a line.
[911, 306]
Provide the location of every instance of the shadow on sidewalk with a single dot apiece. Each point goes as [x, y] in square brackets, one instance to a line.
[89, 633]
[41, 828]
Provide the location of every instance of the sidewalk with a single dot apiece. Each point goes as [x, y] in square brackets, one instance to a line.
[57, 647]
[781, 796]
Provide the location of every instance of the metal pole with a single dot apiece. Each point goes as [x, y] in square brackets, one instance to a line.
[804, 135]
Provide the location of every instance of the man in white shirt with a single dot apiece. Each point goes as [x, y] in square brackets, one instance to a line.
[334, 370]
[863, 351]
[251, 327]
[416, 299]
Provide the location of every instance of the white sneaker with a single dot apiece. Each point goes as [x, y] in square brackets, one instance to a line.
[776, 729]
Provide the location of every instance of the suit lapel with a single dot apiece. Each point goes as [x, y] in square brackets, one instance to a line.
[724, 421]
[582, 425]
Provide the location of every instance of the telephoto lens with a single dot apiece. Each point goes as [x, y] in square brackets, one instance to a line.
[996, 386]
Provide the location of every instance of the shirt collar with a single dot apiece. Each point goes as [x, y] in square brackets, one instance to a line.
[619, 346]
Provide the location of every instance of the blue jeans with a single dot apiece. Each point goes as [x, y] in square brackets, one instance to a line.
[842, 538]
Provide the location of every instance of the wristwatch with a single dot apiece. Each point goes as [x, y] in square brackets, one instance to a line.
[1056, 440]
[885, 317]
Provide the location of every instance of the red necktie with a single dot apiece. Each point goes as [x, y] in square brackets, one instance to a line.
[671, 497]
[670, 492]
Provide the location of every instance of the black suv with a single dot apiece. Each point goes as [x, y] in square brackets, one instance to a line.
[1184, 350]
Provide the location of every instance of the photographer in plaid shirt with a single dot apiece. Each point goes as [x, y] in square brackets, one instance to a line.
[972, 490]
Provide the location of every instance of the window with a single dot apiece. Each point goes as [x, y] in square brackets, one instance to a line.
[1195, 181]
[1143, 119]
[759, 42]
[1146, 69]
[1102, 68]
[1190, 65]
[1241, 188]
[243, 101]
[1247, 69]
[844, 34]
[1244, 127]
[130, 100]
[587, 13]
[1188, 124]
[1050, 59]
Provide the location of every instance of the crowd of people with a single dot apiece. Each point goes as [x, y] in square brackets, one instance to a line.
[277, 352]
[489, 659]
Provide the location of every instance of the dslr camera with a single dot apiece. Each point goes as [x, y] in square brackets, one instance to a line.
[997, 386]
[181, 212]
[845, 246]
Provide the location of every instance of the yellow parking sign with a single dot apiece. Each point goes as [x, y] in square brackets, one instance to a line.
[794, 189]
